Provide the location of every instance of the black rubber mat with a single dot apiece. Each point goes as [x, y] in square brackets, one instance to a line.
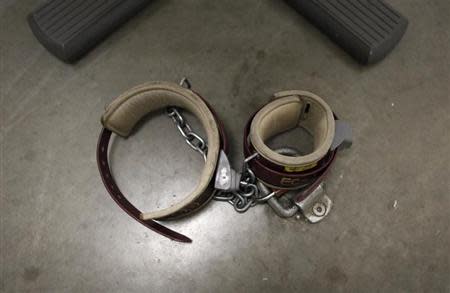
[367, 29]
[70, 28]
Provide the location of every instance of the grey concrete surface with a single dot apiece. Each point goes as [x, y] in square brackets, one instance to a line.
[60, 231]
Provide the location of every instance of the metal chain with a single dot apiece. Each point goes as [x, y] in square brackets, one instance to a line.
[195, 141]
[248, 195]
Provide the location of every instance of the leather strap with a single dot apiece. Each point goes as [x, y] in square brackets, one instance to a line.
[119, 197]
[289, 110]
[198, 201]
[274, 176]
[282, 114]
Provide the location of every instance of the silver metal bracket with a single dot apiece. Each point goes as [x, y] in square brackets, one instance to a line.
[227, 179]
[316, 206]
[343, 137]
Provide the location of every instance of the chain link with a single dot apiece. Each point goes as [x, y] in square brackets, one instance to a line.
[195, 141]
[248, 194]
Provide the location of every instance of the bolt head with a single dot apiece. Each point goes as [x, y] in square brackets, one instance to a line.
[319, 209]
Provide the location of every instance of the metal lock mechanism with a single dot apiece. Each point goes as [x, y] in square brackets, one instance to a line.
[227, 179]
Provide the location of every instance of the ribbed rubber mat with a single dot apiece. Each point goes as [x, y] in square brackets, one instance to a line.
[367, 29]
[69, 28]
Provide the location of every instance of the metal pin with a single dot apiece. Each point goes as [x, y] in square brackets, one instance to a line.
[185, 83]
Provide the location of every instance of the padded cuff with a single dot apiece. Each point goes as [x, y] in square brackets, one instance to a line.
[293, 109]
[126, 110]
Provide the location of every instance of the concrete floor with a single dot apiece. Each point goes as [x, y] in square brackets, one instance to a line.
[61, 232]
